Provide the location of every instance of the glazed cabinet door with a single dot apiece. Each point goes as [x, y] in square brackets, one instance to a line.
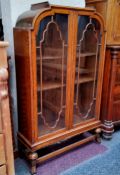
[51, 51]
[86, 70]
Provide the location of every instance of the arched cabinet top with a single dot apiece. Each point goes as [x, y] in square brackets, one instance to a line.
[29, 18]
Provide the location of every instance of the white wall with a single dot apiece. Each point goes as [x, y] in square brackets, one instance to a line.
[19, 6]
[11, 9]
[0, 11]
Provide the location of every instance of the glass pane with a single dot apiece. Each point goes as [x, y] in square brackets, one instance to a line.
[86, 75]
[51, 52]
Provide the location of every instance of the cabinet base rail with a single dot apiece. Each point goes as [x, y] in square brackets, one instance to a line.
[34, 158]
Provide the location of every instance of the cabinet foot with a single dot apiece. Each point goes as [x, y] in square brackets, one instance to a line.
[98, 137]
[33, 160]
[108, 129]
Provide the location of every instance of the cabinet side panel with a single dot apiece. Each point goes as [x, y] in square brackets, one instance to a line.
[116, 112]
[22, 59]
[106, 84]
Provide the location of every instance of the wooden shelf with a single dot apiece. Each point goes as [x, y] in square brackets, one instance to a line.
[54, 66]
[60, 56]
[49, 58]
[85, 79]
[49, 85]
[59, 67]
[86, 54]
[49, 50]
[55, 85]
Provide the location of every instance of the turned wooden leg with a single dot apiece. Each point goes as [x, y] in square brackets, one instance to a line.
[98, 137]
[108, 129]
[33, 159]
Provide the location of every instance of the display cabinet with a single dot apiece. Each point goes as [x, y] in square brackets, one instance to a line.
[59, 54]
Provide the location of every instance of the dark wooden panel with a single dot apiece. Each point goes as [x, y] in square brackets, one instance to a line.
[24, 85]
[116, 111]
[105, 92]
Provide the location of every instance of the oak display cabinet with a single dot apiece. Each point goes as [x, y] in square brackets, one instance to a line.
[59, 54]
